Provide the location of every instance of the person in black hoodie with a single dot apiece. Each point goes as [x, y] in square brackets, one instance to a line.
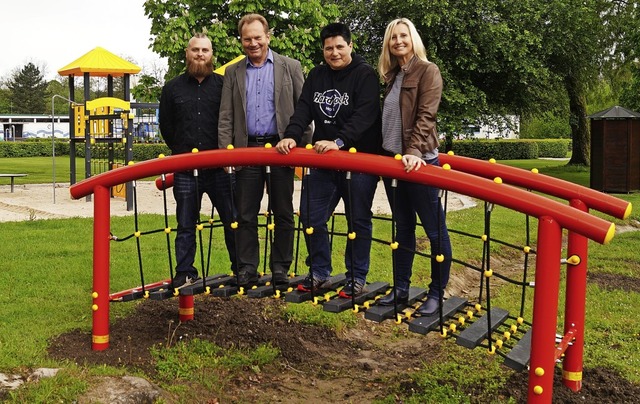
[342, 99]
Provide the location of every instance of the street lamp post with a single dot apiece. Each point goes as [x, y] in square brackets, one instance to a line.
[53, 139]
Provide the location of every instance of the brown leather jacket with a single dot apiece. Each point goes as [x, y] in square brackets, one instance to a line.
[419, 101]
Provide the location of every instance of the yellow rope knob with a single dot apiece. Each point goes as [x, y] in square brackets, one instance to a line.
[199, 226]
[497, 180]
[492, 160]
[131, 163]
[478, 307]
[450, 153]
[488, 273]
[492, 350]
[444, 333]
[398, 318]
[573, 260]
[94, 295]
[513, 328]
[277, 295]
[483, 237]
[534, 170]
[94, 307]
[194, 150]
[520, 320]
[394, 245]
[352, 150]
[461, 320]
[446, 166]
[356, 308]
[271, 226]
[539, 371]
[470, 314]
[537, 390]
[526, 249]
[229, 147]
[309, 147]
[161, 156]
[507, 335]
[146, 294]
[167, 230]
[452, 327]
[241, 290]
[207, 290]
[176, 292]
[398, 157]
[309, 230]
[439, 258]
[352, 236]
[366, 304]
[268, 146]
[499, 343]
[234, 225]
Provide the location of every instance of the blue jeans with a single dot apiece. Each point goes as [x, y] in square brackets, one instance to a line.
[321, 192]
[411, 198]
[218, 185]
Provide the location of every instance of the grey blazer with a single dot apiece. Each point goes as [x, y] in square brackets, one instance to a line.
[232, 124]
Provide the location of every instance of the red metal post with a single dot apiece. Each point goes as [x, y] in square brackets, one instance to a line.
[100, 294]
[545, 309]
[574, 316]
[185, 304]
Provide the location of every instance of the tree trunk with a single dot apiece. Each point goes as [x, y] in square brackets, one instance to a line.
[580, 135]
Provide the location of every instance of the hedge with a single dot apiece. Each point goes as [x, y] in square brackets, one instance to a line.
[512, 149]
[480, 149]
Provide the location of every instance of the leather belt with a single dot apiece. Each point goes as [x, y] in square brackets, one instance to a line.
[263, 139]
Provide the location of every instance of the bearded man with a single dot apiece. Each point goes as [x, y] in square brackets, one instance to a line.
[188, 117]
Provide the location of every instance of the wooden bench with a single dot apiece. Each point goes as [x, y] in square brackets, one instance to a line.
[12, 176]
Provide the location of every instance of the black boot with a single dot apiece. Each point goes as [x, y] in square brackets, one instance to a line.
[400, 296]
[279, 278]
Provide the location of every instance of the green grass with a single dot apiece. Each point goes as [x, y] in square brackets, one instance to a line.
[47, 284]
[39, 170]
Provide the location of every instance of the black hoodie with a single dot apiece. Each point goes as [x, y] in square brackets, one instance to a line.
[342, 104]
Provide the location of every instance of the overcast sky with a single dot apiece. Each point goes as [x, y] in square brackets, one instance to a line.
[54, 33]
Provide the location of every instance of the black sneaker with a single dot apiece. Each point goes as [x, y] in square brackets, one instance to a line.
[182, 279]
[311, 283]
[352, 289]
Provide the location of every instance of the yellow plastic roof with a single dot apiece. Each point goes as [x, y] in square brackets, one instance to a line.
[220, 70]
[101, 63]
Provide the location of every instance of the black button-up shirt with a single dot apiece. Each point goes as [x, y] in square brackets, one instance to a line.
[188, 114]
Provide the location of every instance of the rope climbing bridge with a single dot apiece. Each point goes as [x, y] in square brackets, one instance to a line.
[533, 344]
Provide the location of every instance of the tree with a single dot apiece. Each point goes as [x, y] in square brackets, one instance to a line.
[488, 53]
[148, 89]
[28, 91]
[295, 27]
[514, 56]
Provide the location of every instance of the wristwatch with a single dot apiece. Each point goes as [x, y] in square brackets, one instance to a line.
[339, 142]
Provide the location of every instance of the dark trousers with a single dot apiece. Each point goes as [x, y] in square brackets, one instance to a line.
[250, 188]
[406, 201]
[321, 193]
[188, 191]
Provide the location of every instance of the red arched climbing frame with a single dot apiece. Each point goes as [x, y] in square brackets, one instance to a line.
[475, 178]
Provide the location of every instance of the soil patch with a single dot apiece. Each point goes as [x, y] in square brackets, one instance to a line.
[361, 364]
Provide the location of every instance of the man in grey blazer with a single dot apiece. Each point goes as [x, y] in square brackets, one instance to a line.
[258, 98]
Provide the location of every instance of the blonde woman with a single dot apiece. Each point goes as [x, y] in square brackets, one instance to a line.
[411, 100]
